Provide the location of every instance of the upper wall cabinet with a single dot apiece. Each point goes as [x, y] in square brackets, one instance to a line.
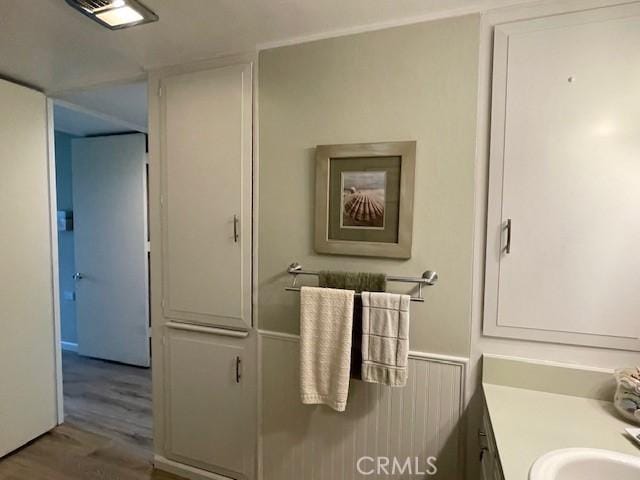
[205, 131]
[563, 231]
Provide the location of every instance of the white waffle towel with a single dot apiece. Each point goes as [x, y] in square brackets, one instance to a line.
[326, 318]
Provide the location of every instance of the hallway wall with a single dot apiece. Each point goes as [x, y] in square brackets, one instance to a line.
[66, 254]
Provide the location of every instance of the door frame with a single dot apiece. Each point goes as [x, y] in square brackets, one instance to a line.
[55, 263]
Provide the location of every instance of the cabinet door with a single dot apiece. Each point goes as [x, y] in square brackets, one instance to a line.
[208, 407]
[205, 148]
[562, 221]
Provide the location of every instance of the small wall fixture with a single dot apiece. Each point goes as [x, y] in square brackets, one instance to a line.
[115, 14]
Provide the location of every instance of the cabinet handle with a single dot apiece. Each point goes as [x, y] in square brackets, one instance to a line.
[210, 330]
[483, 451]
[238, 365]
[235, 229]
[507, 248]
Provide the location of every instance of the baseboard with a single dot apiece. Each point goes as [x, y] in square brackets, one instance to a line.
[185, 471]
[69, 346]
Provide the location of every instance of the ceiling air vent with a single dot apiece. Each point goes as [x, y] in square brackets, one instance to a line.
[115, 14]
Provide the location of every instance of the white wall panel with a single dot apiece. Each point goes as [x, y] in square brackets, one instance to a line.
[303, 442]
[28, 375]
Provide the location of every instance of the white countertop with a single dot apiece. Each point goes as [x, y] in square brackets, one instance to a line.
[528, 423]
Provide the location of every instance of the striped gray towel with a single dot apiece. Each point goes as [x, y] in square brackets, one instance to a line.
[385, 338]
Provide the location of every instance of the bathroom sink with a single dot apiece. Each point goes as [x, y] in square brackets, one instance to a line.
[585, 464]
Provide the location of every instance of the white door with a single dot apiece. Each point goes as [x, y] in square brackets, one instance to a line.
[27, 357]
[206, 196]
[109, 201]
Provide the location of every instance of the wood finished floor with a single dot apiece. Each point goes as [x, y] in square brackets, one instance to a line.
[107, 430]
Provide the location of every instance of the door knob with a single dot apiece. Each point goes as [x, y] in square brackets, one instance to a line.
[77, 276]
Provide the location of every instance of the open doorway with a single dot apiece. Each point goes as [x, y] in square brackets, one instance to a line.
[103, 258]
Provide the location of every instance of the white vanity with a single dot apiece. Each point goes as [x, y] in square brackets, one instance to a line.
[535, 408]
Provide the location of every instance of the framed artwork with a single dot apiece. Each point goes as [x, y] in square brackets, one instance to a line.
[364, 199]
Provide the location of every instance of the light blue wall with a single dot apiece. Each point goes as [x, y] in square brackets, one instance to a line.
[66, 252]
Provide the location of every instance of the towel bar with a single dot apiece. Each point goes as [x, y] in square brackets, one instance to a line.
[429, 278]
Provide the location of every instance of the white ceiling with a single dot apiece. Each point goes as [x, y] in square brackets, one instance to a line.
[123, 104]
[81, 123]
[47, 44]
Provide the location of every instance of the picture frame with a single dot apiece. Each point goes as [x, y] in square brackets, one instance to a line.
[364, 199]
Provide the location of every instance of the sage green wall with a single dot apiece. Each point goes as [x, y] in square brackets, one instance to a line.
[416, 82]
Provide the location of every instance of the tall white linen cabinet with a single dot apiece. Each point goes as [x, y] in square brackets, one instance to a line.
[204, 343]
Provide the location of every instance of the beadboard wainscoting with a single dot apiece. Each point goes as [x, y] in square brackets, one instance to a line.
[306, 442]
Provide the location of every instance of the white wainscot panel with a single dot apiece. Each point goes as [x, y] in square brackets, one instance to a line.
[312, 442]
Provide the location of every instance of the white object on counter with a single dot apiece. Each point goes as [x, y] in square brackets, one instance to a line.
[627, 397]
